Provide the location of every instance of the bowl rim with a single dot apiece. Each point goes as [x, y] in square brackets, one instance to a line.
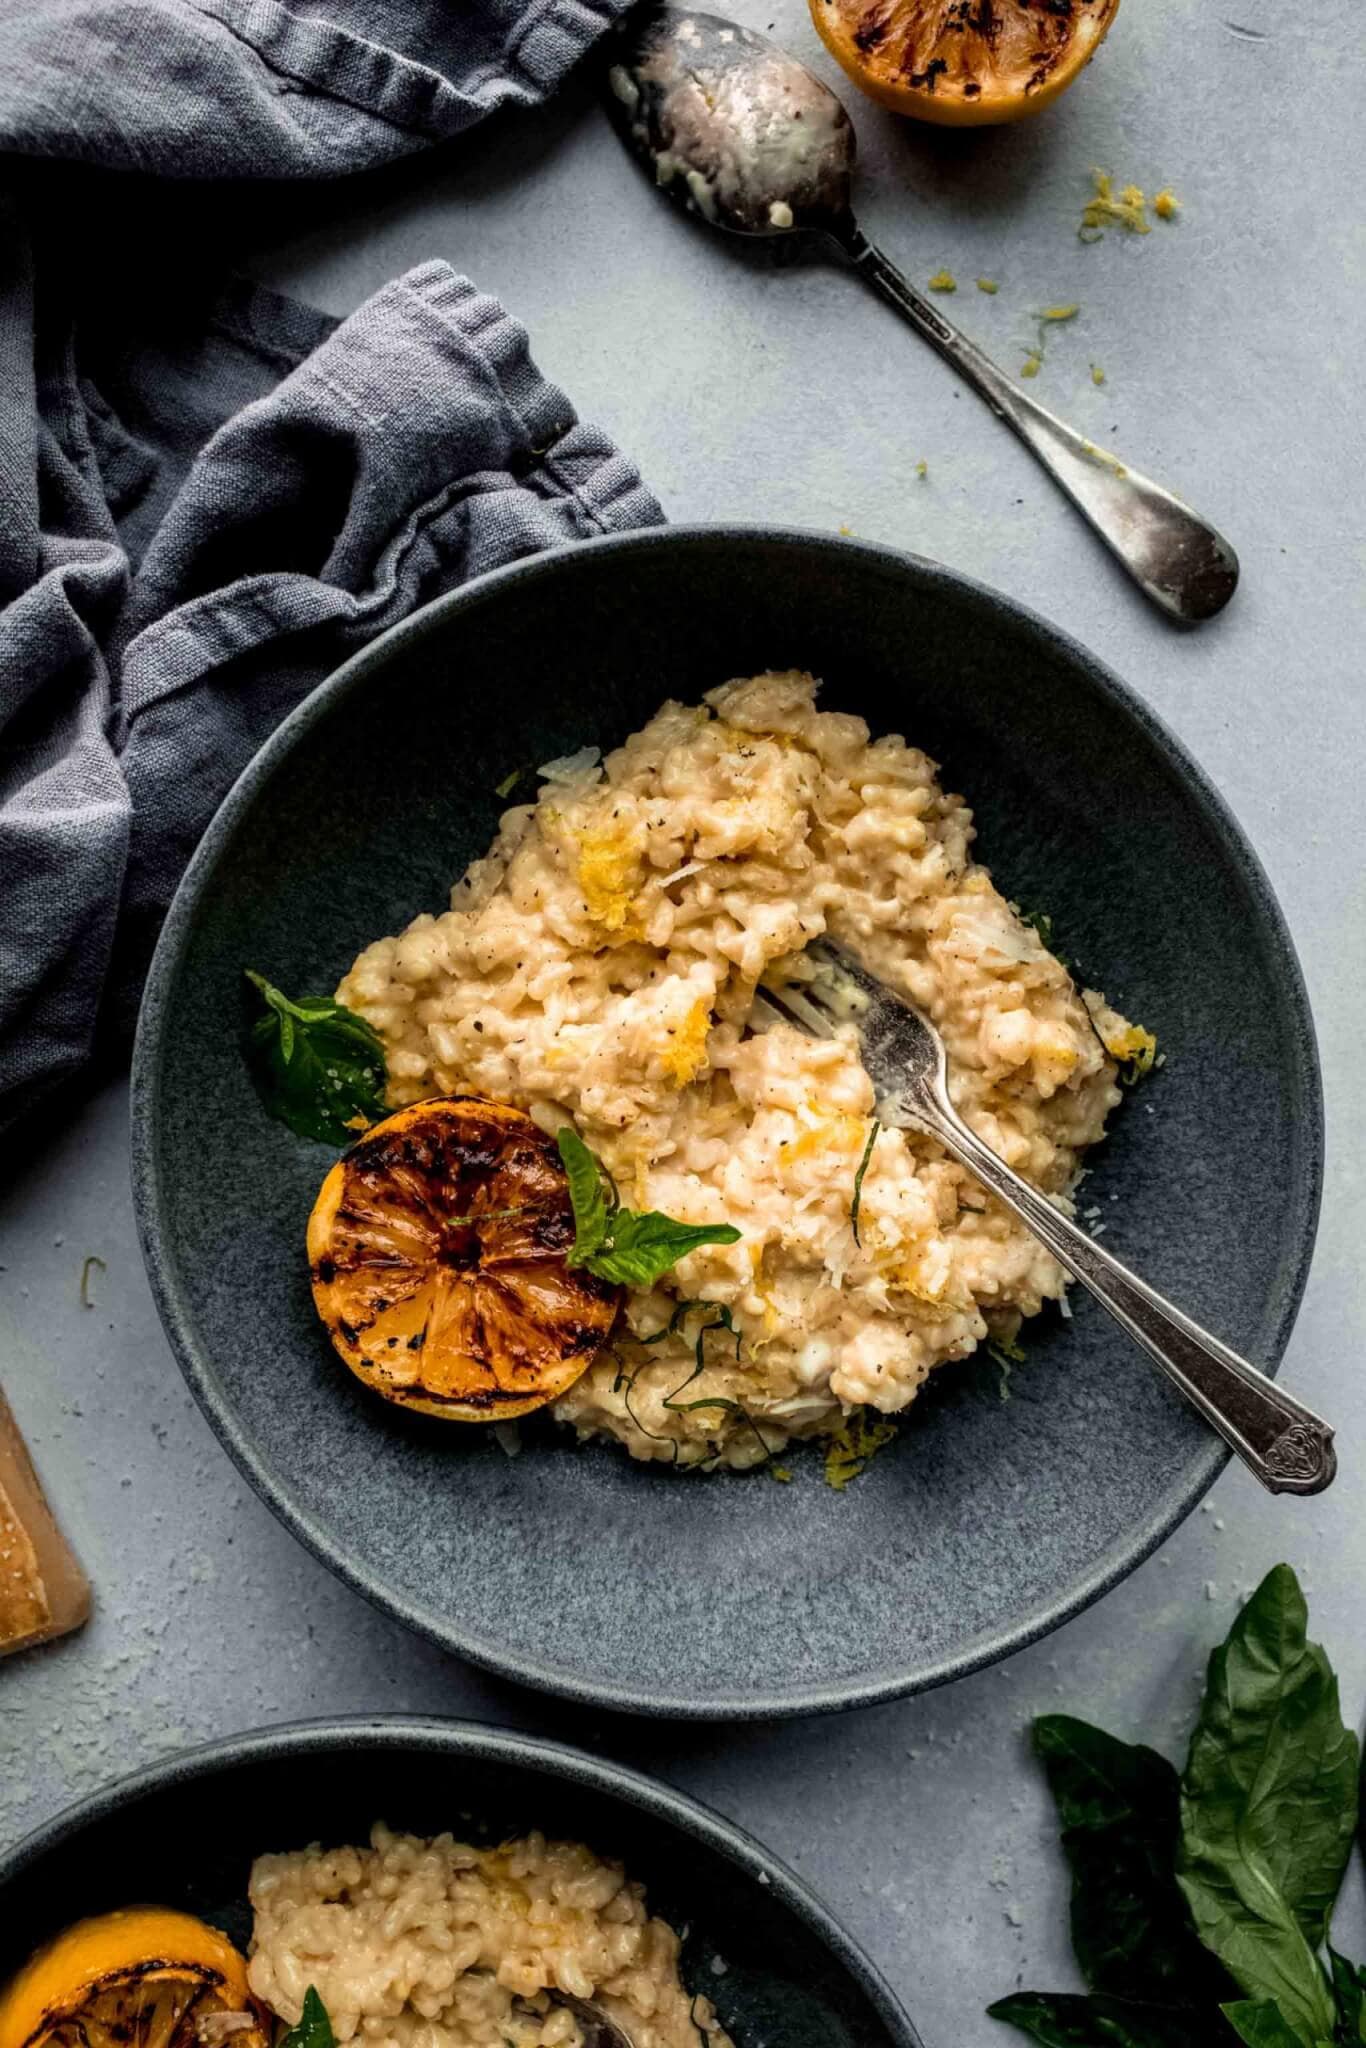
[149, 1053]
[478, 1741]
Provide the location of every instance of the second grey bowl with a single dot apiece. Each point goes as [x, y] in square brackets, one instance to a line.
[185, 1833]
[991, 1520]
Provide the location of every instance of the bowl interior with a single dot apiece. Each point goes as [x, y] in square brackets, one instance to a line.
[991, 1518]
[774, 1965]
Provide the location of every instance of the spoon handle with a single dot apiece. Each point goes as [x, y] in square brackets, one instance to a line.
[1180, 561]
[1283, 1443]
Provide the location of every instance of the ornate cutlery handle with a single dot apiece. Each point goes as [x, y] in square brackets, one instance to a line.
[1287, 1446]
[1177, 558]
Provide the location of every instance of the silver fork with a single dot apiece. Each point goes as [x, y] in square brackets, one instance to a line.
[1287, 1446]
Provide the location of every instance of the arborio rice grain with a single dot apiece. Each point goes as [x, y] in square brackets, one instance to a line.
[599, 966]
[435, 1944]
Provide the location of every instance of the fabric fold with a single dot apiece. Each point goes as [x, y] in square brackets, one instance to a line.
[414, 446]
[210, 495]
[253, 89]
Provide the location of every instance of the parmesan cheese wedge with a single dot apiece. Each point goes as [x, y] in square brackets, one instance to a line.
[43, 1591]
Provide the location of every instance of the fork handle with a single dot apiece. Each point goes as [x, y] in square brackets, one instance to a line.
[1287, 1446]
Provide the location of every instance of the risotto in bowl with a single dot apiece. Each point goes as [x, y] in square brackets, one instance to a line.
[513, 1879]
[549, 842]
[600, 966]
[417, 1942]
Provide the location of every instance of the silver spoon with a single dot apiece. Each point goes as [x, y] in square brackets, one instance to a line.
[749, 139]
[1286, 1446]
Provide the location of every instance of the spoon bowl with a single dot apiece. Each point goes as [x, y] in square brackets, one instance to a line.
[730, 125]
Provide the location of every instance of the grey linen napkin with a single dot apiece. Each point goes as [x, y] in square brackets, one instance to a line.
[209, 498]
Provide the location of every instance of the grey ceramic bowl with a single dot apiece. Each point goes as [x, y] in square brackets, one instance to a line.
[184, 1834]
[990, 1520]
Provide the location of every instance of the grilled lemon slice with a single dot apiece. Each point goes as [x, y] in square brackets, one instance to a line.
[145, 1976]
[963, 63]
[438, 1250]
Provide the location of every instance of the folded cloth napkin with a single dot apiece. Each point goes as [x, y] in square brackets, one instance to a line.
[209, 497]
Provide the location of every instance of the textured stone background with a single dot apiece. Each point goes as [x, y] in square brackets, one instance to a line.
[1230, 347]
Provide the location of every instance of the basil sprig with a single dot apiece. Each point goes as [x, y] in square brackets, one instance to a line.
[1201, 1905]
[1119, 1805]
[319, 1067]
[314, 2029]
[1269, 1808]
[616, 1243]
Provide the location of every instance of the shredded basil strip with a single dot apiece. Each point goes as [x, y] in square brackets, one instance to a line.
[858, 1181]
[720, 1319]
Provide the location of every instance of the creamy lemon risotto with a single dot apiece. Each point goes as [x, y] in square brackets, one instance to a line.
[434, 1944]
[599, 965]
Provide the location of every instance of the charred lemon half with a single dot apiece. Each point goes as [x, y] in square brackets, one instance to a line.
[963, 63]
[438, 1248]
[146, 1975]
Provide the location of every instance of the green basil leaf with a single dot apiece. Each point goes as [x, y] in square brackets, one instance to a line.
[314, 2029]
[1349, 1989]
[627, 1249]
[641, 1248]
[1269, 1807]
[1261, 2023]
[1118, 1805]
[589, 1191]
[1063, 2020]
[318, 1067]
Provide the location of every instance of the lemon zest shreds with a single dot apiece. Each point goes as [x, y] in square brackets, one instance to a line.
[685, 1053]
[1051, 316]
[839, 1133]
[854, 1445]
[609, 873]
[943, 281]
[1105, 210]
[1102, 458]
[988, 285]
[1166, 205]
[1136, 1051]
[1130, 1043]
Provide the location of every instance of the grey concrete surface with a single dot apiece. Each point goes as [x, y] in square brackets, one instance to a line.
[1229, 342]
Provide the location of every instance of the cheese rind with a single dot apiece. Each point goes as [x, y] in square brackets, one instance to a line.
[43, 1591]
